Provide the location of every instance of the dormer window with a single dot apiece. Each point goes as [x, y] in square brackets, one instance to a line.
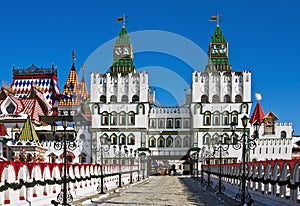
[11, 108]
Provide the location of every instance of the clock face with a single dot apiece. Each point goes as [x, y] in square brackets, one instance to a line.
[118, 51]
[122, 52]
[218, 49]
[214, 50]
[223, 49]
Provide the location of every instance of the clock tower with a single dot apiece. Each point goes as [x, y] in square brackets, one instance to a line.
[122, 54]
[218, 53]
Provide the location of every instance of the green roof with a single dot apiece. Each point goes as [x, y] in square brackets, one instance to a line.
[221, 63]
[218, 36]
[123, 37]
[28, 132]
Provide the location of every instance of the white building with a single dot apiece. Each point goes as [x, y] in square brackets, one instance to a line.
[123, 111]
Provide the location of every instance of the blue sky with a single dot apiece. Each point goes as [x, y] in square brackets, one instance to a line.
[263, 37]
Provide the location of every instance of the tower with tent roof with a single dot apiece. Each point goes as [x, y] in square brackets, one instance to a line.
[220, 96]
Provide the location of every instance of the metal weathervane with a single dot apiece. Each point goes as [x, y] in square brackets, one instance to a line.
[123, 19]
[216, 19]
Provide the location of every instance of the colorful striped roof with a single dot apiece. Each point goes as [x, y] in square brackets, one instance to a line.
[70, 95]
[28, 132]
[43, 78]
[83, 88]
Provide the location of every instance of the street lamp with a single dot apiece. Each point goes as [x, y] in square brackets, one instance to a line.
[65, 197]
[119, 154]
[246, 142]
[206, 155]
[221, 149]
[104, 148]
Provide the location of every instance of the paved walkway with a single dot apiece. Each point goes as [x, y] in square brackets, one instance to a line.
[161, 190]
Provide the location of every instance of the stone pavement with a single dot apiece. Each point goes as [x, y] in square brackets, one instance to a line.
[162, 190]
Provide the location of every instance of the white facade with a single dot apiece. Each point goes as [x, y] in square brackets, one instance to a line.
[274, 146]
[219, 98]
[119, 106]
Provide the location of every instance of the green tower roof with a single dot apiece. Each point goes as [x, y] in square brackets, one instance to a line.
[123, 55]
[218, 36]
[218, 53]
[123, 37]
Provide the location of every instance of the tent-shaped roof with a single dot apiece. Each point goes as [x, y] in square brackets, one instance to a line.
[28, 132]
[70, 95]
[258, 114]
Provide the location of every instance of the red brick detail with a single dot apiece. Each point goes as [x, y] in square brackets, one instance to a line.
[45, 193]
[22, 198]
[34, 195]
[6, 202]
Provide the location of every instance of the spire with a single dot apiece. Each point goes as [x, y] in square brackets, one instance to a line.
[122, 53]
[28, 132]
[218, 50]
[71, 91]
[258, 114]
[83, 88]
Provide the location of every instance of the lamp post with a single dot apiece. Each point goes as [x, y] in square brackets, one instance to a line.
[206, 154]
[221, 149]
[104, 147]
[131, 159]
[120, 154]
[246, 142]
[138, 161]
[65, 197]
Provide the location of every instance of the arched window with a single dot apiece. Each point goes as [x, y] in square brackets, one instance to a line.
[124, 99]
[215, 99]
[113, 99]
[207, 118]
[216, 118]
[169, 141]
[238, 98]
[131, 118]
[131, 139]
[161, 142]
[204, 98]
[104, 139]
[113, 118]
[177, 123]
[135, 99]
[113, 139]
[11, 108]
[122, 139]
[104, 118]
[82, 158]
[178, 142]
[102, 99]
[161, 123]
[225, 139]
[152, 142]
[225, 118]
[283, 134]
[186, 142]
[234, 117]
[122, 118]
[206, 139]
[227, 98]
[152, 123]
[169, 123]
